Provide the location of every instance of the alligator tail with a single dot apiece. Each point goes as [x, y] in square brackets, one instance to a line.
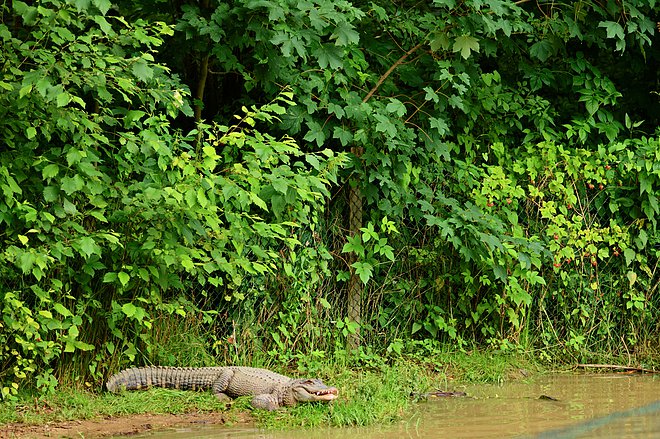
[183, 378]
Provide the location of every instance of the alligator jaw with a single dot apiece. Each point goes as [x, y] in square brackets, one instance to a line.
[327, 395]
[310, 390]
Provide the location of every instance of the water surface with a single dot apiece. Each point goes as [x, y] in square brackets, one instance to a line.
[588, 406]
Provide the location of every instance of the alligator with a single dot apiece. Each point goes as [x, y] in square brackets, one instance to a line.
[270, 390]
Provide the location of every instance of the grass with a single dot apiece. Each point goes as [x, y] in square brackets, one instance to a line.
[69, 404]
[367, 396]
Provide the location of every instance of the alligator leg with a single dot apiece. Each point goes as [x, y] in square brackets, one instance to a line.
[220, 385]
[223, 397]
[266, 401]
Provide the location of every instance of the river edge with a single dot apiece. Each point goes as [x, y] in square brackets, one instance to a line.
[116, 426]
[367, 397]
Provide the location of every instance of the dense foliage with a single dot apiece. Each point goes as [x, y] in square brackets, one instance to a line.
[504, 156]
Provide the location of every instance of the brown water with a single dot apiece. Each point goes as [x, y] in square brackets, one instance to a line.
[588, 406]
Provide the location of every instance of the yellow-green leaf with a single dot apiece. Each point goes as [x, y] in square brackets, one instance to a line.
[466, 44]
[123, 278]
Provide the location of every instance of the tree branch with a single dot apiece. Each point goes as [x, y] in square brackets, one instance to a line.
[389, 71]
[201, 84]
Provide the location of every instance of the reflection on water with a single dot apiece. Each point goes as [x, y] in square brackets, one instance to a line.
[588, 406]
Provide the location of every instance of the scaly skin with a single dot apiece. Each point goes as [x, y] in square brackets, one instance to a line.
[269, 389]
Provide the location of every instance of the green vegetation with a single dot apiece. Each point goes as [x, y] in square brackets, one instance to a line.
[297, 184]
[367, 396]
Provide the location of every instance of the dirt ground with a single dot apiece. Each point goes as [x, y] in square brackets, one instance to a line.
[112, 426]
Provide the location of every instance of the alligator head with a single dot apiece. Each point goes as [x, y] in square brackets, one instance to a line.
[310, 390]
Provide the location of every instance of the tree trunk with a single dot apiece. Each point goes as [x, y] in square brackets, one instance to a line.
[355, 287]
[355, 214]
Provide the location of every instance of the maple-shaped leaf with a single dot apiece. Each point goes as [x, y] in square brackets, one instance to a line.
[614, 30]
[329, 56]
[542, 50]
[396, 106]
[466, 44]
[345, 34]
[439, 40]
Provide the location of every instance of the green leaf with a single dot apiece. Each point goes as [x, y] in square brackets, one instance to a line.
[456, 102]
[51, 193]
[69, 346]
[388, 252]
[315, 133]
[257, 200]
[337, 110]
[329, 56]
[345, 137]
[82, 4]
[106, 28]
[133, 116]
[12, 185]
[80, 345]
[63, 99]
[62, 310]
[449, 4]
[26, 262]
[439, 40]
[613, 29]
[345, 34]
[641, 240]
[364, 270]
[645, 183]
[396, 106]
[50, 171]
[289, 43]
[142, 71]
[63, 33]
[466, 44]
[191, 197]
[109, 277]
[73, 331]
[30, 132]
[280, 185]
[542, 50]
[123, 278]
[103, 5]
[187, 263]
[630, 255]
[69, 207]
[384, 125]
[500, 272]
[653, 204]
[201, 197]
[313, 161]
[128, 309]
[431, 95]
[353, 244]
[440, 125]
[89, 247]
[591, 102]
[25, 90]
[73, 184]
[73, 156]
